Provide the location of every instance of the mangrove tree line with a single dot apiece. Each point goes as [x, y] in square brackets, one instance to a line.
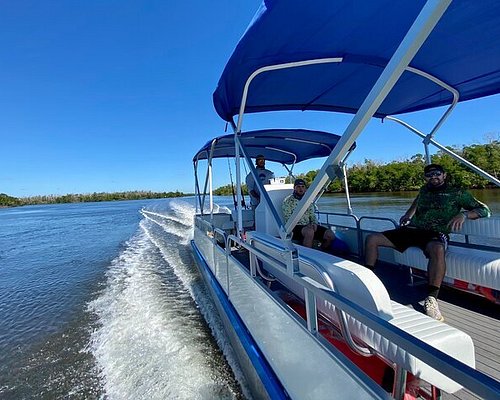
[406, 175]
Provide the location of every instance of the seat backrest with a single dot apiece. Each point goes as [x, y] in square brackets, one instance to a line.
[487, 227]
[351, 280]
[247, 218]
[264, 221]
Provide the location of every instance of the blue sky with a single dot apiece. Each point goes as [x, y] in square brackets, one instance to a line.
[117, 95]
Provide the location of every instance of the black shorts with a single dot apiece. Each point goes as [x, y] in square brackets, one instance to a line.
[318, 235]
[408, 236]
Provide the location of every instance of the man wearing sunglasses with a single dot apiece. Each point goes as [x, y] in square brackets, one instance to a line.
[438, 209]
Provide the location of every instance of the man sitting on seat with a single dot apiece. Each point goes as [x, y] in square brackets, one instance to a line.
[435, 212]
[307, 229]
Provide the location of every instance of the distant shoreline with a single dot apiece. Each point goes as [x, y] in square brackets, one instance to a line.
[9, 201]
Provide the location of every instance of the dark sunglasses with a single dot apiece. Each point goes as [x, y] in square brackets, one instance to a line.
[430, 174]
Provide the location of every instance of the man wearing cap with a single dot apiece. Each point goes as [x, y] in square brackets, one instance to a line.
[438, 209]
[265, 177]
[307, 229]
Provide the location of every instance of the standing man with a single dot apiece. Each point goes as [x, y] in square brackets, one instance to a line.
[265, 177]
[437, 210]
[307, 229]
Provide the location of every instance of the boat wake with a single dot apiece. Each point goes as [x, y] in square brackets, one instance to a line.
[152, 340]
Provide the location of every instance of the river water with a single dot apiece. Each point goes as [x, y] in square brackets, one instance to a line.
[98, 300]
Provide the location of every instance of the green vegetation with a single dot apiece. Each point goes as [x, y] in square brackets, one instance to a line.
[227, 190]
[366, 177]
[8, 201]
[407, 175]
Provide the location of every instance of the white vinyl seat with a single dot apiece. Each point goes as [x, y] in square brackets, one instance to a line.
[362, 286]
[264, 221]
[479, 267]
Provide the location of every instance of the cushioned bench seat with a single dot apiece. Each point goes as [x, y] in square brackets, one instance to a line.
[480, 267]
[362, 286]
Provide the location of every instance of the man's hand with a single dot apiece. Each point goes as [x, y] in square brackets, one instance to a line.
[457, 222]
[404, 220]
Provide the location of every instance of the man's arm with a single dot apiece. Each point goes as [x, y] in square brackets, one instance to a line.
[405, 219]
[251, 186]
[312, 215]
[287, 207]
[474, 210]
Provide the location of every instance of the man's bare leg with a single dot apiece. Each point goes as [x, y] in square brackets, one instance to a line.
[327, 239]
[436, 268]
[372, 243]
[308, 235]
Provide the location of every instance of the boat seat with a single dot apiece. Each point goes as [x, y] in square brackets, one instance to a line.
[247, 218]
[220, 220]
[479, 267]
[264, 221]
[362, 286]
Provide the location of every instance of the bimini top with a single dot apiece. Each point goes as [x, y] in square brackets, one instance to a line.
[463, 51]
[286, 146]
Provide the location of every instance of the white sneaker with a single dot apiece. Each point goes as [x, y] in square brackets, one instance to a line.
[432, 309]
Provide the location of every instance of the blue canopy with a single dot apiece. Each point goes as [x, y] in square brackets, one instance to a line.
[463, 51]
[285, 146]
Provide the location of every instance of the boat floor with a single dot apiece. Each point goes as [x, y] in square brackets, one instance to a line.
[470, 313]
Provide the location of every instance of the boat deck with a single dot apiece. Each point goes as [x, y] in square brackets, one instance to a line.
[472, 314]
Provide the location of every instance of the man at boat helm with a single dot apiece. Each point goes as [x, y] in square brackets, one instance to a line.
[307, 229]
[436, 211]
[265, 177]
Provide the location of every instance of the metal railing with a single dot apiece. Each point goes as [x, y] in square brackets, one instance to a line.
[475, 381]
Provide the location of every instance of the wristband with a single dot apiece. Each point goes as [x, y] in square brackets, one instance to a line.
[464, 213]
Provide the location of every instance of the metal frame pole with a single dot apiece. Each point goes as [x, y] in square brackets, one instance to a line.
[414, 39]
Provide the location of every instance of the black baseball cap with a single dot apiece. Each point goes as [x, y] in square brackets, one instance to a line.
[433, 167]
[299, 182]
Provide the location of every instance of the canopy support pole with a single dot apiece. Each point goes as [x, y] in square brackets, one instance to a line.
[414, 39]
[239, 211]
[263, 193]
[197, 196]
[461, 160]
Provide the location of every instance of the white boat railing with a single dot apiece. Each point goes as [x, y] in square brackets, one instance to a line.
[326, 218]
[475, 381]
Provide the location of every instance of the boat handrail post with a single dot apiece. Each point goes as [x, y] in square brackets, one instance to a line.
[421, 28]
[346, 188]
[311, 311]
[399, 387]
[239, 213]
[238, 183]
[343, 165]
[210, 188]
[292, 261]
[197, 196]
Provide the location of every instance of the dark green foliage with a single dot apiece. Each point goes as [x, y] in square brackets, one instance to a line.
[229, 189]
[407, 175]
[8, 201]
[82, 198]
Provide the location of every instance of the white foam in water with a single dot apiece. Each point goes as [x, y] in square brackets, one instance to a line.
[151, 342]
